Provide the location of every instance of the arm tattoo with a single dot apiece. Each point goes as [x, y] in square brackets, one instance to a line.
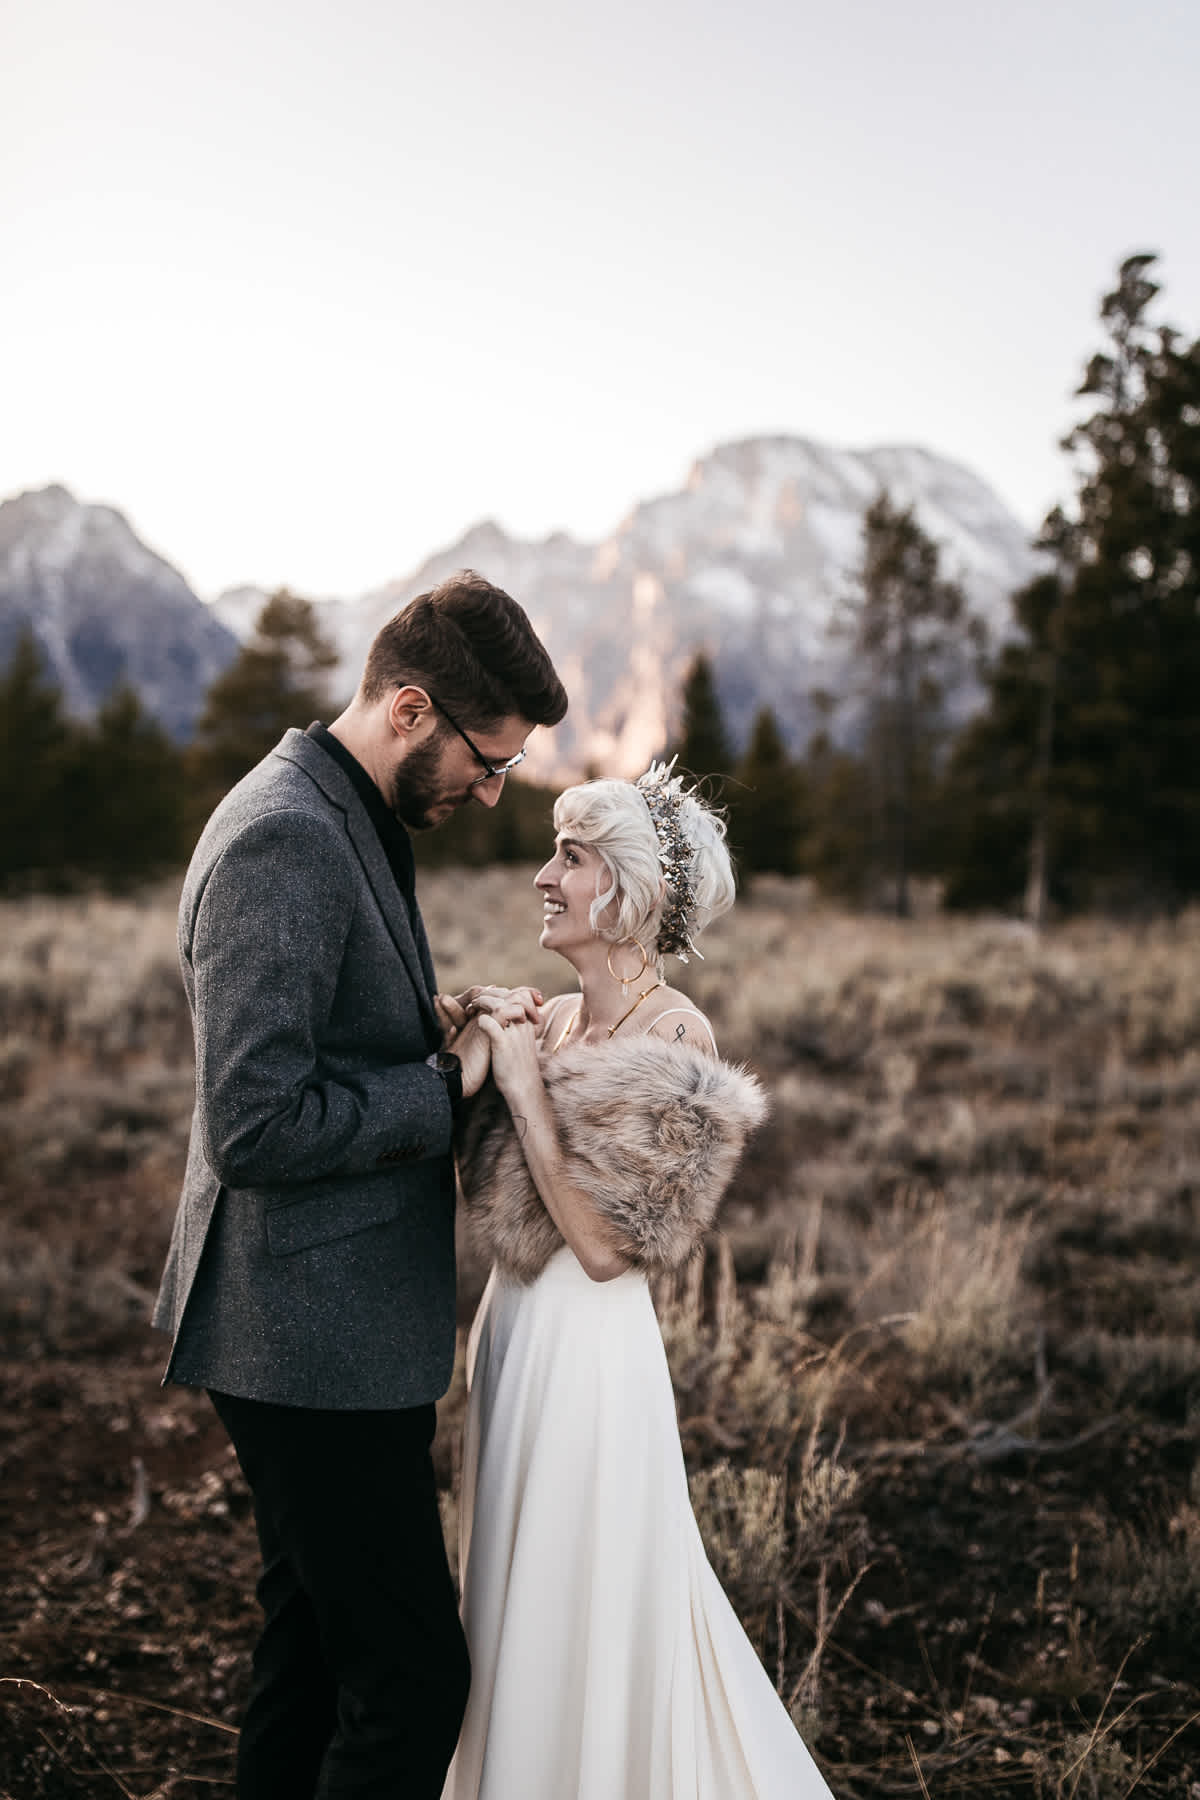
[680, 1032]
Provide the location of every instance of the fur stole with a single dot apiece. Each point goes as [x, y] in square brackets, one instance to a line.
[650, 1132]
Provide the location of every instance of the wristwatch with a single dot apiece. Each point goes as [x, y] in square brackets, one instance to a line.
[449, 1068]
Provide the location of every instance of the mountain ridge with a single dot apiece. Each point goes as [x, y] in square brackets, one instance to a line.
[746, 559]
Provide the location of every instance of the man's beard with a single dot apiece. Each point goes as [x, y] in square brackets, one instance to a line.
[417, 789]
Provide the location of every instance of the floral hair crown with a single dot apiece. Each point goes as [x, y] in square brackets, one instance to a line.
[663, 793]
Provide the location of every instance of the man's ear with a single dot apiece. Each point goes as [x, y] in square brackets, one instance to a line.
[410, 708]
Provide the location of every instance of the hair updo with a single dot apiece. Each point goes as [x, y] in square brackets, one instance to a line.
[612, 818]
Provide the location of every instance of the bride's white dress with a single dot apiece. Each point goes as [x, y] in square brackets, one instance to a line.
[606, 1661]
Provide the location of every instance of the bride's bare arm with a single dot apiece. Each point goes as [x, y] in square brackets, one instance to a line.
[517, 1073]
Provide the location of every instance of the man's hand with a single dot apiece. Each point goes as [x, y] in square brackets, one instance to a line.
[474, 1052]
[452, 1016]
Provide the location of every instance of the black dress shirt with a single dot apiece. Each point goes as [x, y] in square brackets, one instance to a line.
[397, 846]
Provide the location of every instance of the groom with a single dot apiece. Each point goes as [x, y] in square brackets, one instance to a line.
[310, 1281]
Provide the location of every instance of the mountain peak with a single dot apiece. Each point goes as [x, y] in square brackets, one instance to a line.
[54, 497]
[103, 607]
[485, 538]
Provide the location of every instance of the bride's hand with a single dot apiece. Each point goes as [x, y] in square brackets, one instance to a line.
[515, 1065]
[473, 1043]
[455, 1011]
[489, 997]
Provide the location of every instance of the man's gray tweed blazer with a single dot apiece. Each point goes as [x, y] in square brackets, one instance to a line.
[312, 1260]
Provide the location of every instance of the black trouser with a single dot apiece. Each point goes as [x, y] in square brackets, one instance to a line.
[361, 1672]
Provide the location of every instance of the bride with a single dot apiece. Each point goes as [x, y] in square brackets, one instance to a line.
[607, 1663]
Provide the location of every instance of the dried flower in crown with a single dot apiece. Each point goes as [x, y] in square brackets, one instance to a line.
[663, 793]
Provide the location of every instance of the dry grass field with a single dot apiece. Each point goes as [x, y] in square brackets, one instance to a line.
[938, 1375]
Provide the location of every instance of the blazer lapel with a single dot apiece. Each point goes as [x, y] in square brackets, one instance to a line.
[339, 790]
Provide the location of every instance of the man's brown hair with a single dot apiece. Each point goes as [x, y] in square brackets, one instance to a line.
[469, 645]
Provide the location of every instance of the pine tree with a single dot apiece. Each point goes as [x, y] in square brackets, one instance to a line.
[128, 788]
[703, 747]
[36, 746]
[767, 808]
[278, 679]
[1129, 724]
[840, 844]
[1082, 778]
[910, 631]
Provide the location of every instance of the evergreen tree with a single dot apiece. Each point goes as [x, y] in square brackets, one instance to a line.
[703, 747]
[768, 810]
[910, 631]
[278, 679]
[1083, 776]
[1129, 656]
[36, 747]
[127, 786]
[840, 844]
[994, 797]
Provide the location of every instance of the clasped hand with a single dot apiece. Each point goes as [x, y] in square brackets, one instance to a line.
[491, 1029]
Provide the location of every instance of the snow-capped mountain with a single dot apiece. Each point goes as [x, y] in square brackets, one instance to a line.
[238, 608]
[747, 560]
[104, 609]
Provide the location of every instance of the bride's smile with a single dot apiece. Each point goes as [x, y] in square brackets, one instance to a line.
[568, 887]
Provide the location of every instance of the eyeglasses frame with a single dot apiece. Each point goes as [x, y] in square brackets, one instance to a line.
[491, 769]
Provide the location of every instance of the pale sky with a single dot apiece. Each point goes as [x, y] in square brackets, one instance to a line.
[306, 289]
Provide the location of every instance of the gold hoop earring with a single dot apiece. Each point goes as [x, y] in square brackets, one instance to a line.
[626, 979]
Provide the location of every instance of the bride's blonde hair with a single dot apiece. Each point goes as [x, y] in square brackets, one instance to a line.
[612, 818]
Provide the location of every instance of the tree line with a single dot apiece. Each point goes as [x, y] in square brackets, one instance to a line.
[1075, 784]
[115, 801]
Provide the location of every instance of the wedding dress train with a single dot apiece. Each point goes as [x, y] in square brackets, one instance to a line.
[607, 1662]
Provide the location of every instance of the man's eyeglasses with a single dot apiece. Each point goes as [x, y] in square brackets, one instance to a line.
[491, 769]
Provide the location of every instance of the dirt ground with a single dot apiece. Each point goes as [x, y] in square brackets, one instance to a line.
[970, 1655]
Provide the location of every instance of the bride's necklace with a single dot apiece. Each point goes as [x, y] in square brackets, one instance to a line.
[628, 1014]
[644, 995]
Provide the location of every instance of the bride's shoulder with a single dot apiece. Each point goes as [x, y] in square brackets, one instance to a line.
[678, 1021]
[555, 1013]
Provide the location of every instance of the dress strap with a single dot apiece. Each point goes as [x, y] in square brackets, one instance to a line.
[693, 1012]
[552, 1012]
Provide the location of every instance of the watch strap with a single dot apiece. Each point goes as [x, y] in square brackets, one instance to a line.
[448, 1066]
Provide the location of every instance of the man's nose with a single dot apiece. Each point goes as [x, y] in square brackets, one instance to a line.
[488, 792]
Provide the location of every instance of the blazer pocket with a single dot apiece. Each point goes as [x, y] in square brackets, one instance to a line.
[324, 1218]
